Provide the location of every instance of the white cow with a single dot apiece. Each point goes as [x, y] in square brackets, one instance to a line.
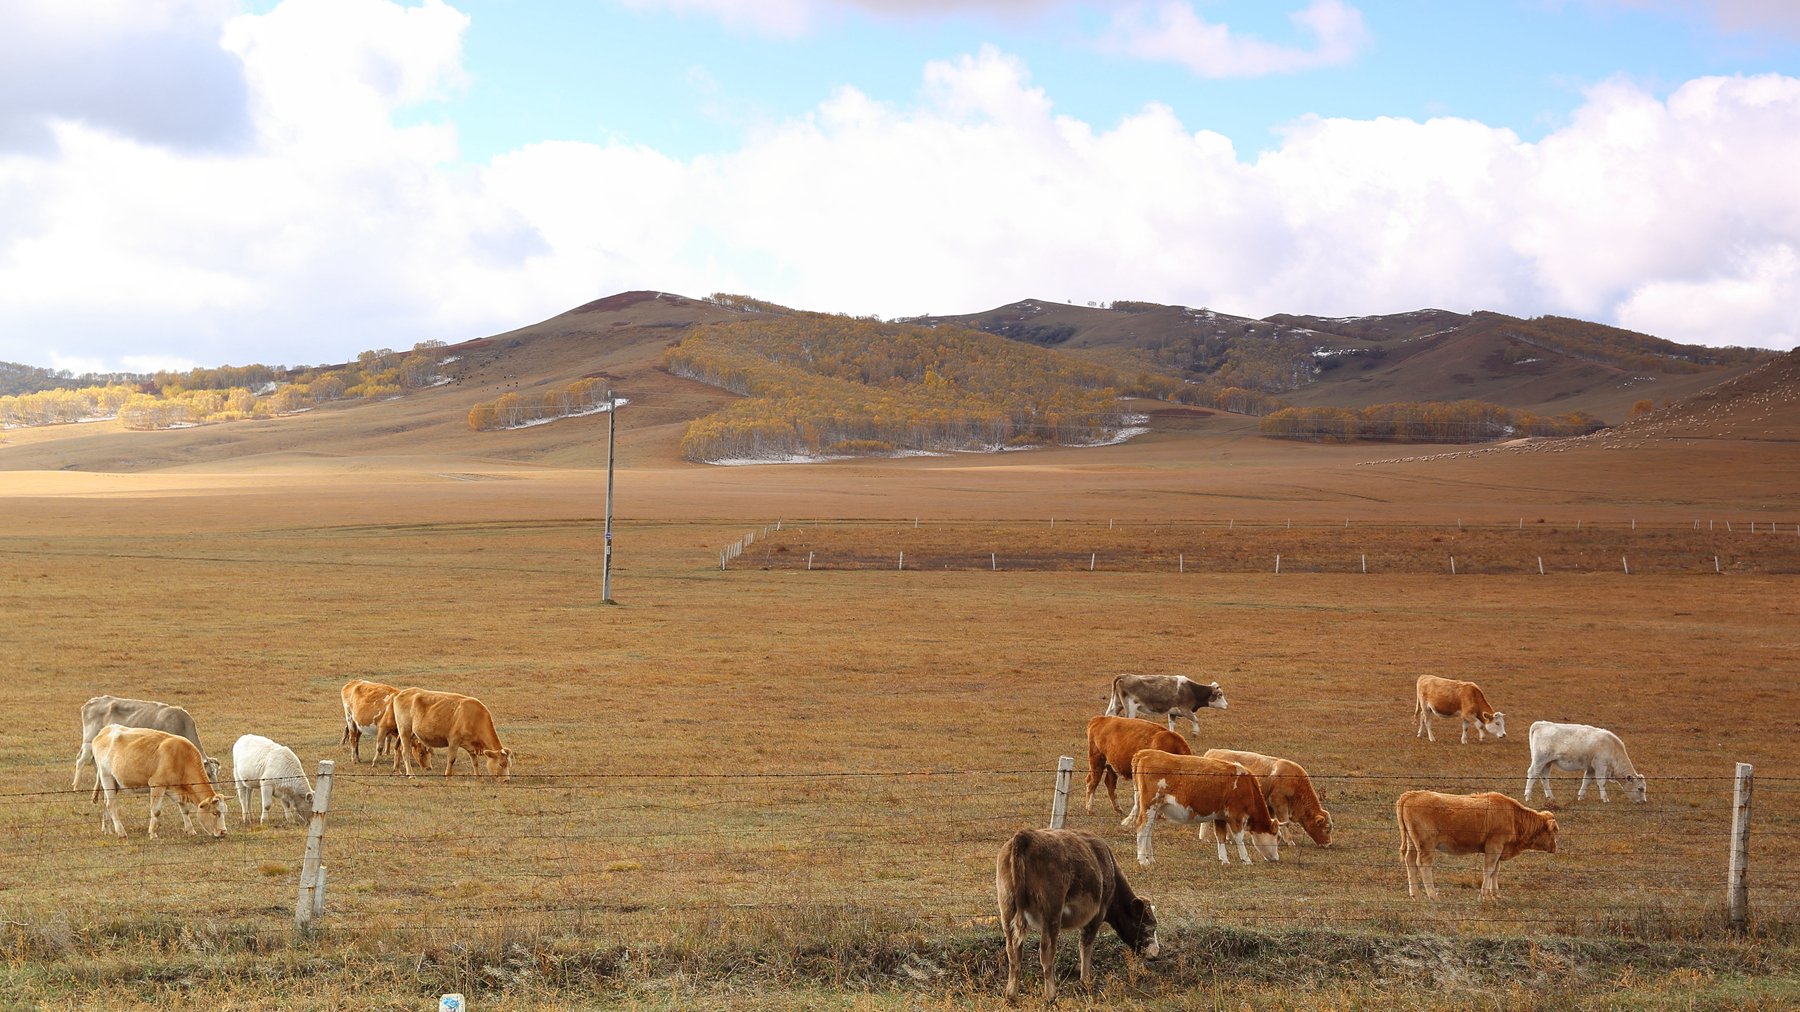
[258, 763]
[1594, 751]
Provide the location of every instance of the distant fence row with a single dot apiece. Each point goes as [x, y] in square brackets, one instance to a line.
[654, 853]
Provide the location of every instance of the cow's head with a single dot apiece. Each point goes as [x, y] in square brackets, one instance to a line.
[1494, 724]
[1545, 838]
[212, 770]
[1637, 786]
[1268, 844]
[210, 814]
[1318, 826]
[1217, 701]
[499, 763]
[1139, 929]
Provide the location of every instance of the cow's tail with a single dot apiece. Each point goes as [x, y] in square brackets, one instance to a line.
[1406, 841]
[1115, 703]
[1022, 899]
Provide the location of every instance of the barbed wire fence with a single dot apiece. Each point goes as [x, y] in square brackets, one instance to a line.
[1627, 547]
[746, 856]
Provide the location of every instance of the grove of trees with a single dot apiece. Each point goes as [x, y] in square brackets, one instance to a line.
[1421, 422]
[511, 411]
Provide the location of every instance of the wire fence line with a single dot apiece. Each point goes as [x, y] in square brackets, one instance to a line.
[625, 853]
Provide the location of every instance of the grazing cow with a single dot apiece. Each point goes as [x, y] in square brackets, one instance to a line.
[1447, 697]
[1051, 879]
[448, 720]
[1112, 741]
[1159, 695]
[100, 711]
[1594, 751]
[1187, 788]
[261, 765]
[368, 709]
[142, 758]
[1287, 789]
[1492, 825]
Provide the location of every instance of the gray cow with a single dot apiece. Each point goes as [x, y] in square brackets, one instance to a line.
[100, 711]
[1173, 695]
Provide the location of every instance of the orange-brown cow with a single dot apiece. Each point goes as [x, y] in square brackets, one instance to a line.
[1492, 825]
[450, 721]
[1188, 788]
[142, 758]
[369, 709]
[1287, 789]
[1112, 741]
[1447, 697]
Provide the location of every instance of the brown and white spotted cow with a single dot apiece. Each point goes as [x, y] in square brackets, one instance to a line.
[1287, 789]
[1492, 825]
[1051, 879]
[1112, 741]
[1447, 697]
[1173, 695]
[1189, 788]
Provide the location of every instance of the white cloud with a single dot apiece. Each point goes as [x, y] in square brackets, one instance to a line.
[788, 18]
[1173, 32]
[1779, 16]
[336, 231]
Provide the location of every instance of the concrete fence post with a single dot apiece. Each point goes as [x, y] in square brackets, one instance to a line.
[1737, 881]
[310, 903]
[1059, 805]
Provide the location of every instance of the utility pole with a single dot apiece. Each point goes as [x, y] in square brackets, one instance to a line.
[612, 424]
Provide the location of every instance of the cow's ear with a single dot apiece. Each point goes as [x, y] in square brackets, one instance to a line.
[1215, 685]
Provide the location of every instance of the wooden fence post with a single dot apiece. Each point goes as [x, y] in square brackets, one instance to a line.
[1737, 882]
[1059, 807]
[311, 901]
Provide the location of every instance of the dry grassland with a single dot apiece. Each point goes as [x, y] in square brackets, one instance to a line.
[800, 778]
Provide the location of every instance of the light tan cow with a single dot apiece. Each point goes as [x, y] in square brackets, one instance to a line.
[1447, 697]
[368, 710]
[1492, 825]
[450, 721]
[1189, 788]
[1112, 741]
[142, 758]
[1287, 789]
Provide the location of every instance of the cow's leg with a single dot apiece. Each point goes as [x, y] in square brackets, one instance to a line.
[1490, 872]
[243, 795]
[1540, 773]
[1131, 816]
[1581, 795]
[1424, 855]
[450, 757]
[268, 801]
[1284, 831]
[110, 789]
[1194, 715]
[1425, 722]
[1409, 860]
[1090, 932]
[1464, 718]
[1243, 852]
[187, 810]
[82, 758]
[1047, 951]
[1096, 771]
[1146, 820]
[156, 800]
[1012, 925]
[354, 735]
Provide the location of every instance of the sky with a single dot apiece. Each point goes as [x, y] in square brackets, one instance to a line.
[206, 182]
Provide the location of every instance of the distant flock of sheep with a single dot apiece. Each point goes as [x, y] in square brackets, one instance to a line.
[1050, 880]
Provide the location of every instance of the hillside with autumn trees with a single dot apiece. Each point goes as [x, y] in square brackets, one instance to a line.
[1421, 422]
[815, 384]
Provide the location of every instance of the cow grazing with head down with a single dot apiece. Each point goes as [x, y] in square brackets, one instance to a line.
[1492, 825]
[142, 758]
[100, 711]
[261, 766]
[1595, 751]
[1051, 879]
[1112, 741]
[1160, 695]
[450, 721]
[1447, 697]
[1287, 789]
[1187, 788]
[369, 709]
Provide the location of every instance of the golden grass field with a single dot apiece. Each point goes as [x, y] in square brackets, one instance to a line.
[769, 787]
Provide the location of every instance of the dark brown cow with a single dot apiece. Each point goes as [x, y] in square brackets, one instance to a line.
[1051, 879]
[1173, 695]
[450, 721]
[1112, 741]
[1447, 697]
[1492, 825]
